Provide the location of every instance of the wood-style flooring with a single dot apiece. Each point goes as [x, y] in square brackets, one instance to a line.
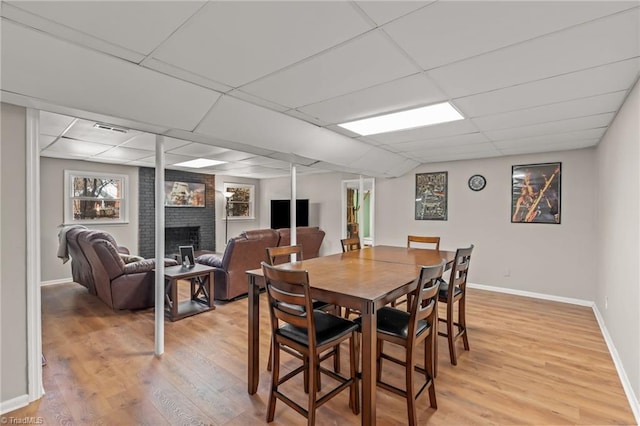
[531, 362]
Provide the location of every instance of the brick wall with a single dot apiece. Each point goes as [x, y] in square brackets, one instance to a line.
[175, 216]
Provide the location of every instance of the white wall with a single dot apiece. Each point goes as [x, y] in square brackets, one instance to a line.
[52, 211]
[13, 254]
[618, 253]
[550, 259]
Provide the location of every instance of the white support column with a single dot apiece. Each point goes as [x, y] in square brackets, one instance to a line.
[360, 207]
[34, 320]
[294, 236]
[159, 190]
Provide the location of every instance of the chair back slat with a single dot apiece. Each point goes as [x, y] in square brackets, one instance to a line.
[289, 298]
[424, 301]
[283, 254]
[423, 240]
[459, 270]
[349, 244]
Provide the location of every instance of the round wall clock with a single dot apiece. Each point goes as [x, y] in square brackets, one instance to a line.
[477, 182]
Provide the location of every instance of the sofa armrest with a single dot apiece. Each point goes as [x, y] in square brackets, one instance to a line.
[123, 250]
[146, 265]
[212, 259]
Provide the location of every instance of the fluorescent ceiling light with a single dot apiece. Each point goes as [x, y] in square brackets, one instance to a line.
[199, 163]
[418, 117]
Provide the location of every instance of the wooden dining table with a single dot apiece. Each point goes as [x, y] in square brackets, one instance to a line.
[365, 280]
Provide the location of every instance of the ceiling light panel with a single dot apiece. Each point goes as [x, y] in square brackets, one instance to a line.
[198, 163]
[409, 119]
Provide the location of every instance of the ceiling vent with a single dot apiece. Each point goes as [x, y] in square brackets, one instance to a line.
[109, 128]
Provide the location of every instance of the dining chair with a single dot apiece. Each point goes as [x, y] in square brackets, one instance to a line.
[417, 241]
[409, 330]
[292, 327]
[412, 240]
[285, 254]
[349, 244]
[452, 292]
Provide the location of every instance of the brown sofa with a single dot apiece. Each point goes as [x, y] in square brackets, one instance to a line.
[246, 251]
[100, 266]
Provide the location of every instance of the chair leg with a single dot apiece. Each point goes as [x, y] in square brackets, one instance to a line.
[313, 374]
[430, 367]
[411, 397]
[451, 335]
[269, 360]
[379, 360]
[275, 377]
[336, 359]
[462, 320]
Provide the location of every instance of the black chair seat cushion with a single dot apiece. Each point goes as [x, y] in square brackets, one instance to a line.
[443, 290]
[328, 327]
[395, 322]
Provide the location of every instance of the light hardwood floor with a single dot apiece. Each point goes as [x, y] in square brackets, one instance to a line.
[531, 362]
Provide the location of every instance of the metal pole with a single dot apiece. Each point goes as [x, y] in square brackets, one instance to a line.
[294, 237]
[159, 190]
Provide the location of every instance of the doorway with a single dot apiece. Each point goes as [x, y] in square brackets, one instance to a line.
[358, 207]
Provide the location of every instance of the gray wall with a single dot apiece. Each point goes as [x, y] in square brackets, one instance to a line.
[13, 254]
[618, 232]
[52, 213]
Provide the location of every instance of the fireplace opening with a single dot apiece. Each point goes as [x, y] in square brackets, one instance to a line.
[175, 237]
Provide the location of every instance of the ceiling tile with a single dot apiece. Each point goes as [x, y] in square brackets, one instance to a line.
[589, 45]
[147, 141]
[448, 31]
[426, 132]
[486, 148]
[84, 130]
[198, 150]
[232, 156]
[118, 22]
[246, 40]
[609, 102]
[54, 124]
[594, 81]
[45, 140]
[77, 148]
[363, 62]
[415, 90]
[580, 135]
[561, 126]
[118, 153]
[382, 12]
[560, 146]
[466, 139]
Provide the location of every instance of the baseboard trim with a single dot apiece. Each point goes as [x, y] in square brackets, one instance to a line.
[624, 379]
[626, 384]
[533, 295]
[14, 404]
[54, 282]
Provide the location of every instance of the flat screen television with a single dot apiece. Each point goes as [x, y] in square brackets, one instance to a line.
[281, 213]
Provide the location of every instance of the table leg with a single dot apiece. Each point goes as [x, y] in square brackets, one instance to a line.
[369, 338]
[174, 297]
[254, 335]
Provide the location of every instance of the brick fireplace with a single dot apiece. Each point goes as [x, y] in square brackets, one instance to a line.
[193, 226]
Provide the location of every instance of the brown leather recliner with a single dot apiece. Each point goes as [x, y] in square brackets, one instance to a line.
[309, 237]
[119, 285]
[243, 253]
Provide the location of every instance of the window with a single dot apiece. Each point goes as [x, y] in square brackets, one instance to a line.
[95, 198]
[239, 200]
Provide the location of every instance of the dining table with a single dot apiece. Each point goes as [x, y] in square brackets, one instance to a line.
[363, 280]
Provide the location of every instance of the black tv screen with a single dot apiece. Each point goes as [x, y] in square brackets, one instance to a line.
[281, 213]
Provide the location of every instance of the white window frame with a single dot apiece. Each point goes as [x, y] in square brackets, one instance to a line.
[229, 187]
[70, 175]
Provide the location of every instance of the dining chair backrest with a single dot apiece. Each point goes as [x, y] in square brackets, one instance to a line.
[289, 299]
[459, 270]
[283, 254]
[424, 301]
[416, 239]
[349, 244]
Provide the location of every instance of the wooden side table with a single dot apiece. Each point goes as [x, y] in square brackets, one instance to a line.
[201, 300]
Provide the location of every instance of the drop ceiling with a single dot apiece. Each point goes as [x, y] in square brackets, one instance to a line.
[262, 84]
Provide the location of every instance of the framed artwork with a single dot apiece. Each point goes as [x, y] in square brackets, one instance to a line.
[186, 256]
[95, 198]
[240, 203]
[431, 196]
[184, 194]
[535, 193]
